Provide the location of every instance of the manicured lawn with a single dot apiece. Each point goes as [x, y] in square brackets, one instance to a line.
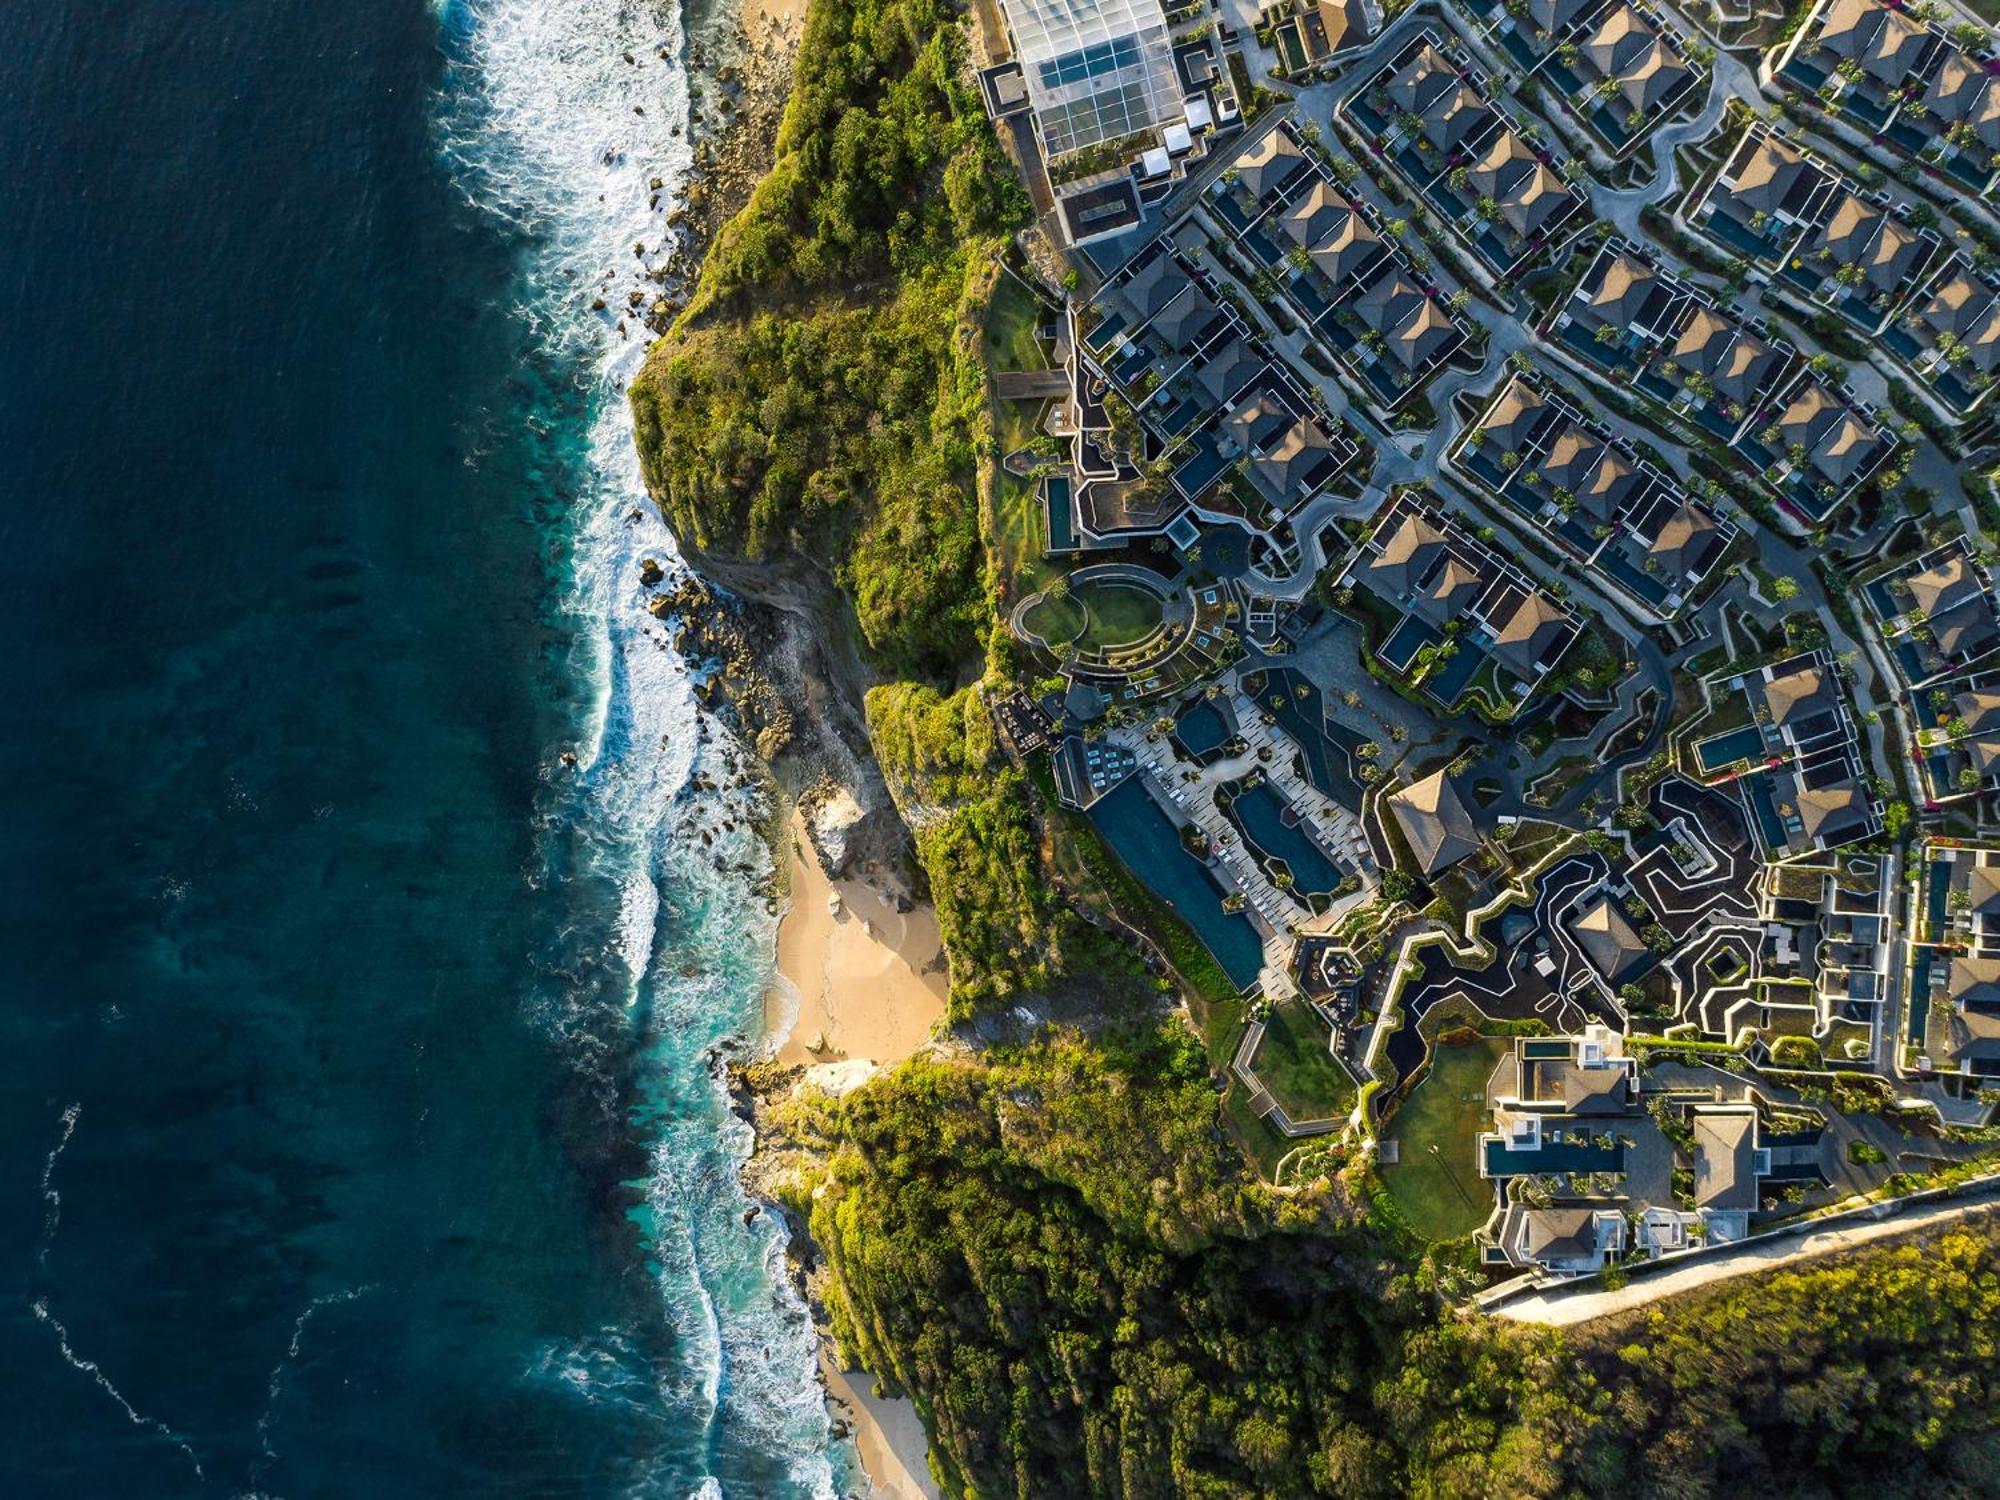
[1011, 319]
[1435, 1180]
[1056, 620]
[1017, 527]
[1119, 613]
[1731, 711]
[1293, 1063]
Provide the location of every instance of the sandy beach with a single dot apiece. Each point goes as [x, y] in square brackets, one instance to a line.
[888, 1434]
[771, 20]
[857, 979]
[859, 985]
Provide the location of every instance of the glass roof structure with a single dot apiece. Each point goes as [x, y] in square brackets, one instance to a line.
[1096, 70]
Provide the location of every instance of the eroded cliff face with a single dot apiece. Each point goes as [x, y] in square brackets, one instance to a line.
[774, 637]
[777, 661]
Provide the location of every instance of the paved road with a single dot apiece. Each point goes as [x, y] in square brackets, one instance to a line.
[1560, 1308]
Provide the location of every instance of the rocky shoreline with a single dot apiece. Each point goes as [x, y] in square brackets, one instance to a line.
[779, 665]
[737, 86]
[765, 632]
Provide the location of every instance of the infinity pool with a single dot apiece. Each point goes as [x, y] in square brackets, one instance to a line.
[1149, 843]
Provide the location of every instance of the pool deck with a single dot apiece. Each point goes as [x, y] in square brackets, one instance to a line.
[1280, 915]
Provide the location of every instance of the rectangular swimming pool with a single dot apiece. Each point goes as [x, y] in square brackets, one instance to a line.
[1560, 1156]
[1721, 750]
[1448, 681]
[1055, 497]
[1145, 838]
[1757, 792]
[1199, 470]
[1920, 998]
[1405, 641]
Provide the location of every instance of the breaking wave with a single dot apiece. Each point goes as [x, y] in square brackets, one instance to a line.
[556, 118]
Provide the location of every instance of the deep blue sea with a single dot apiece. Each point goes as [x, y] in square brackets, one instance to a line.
[358, 1131]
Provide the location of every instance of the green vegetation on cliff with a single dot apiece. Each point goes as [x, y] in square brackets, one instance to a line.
[824, 391]
[1051, 1254]
[972, 816]
[825, 396]
[1874, 1375]
[1052, 1247]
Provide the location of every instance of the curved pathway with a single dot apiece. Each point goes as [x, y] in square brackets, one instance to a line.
[1730, 79]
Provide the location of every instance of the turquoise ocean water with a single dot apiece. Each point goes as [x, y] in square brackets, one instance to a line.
[357, 1093]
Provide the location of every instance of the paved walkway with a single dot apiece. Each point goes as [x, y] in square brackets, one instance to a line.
[1730, 80]
[1565, 1308]
[1023, 385]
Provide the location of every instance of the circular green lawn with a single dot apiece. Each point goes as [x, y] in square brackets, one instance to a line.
[1056, 620]
[1119, 613]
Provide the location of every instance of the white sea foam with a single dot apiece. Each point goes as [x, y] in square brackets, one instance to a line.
[274, 1387]
[538, 121]
[51, 1197]
[90, 1367]
[51, 1221]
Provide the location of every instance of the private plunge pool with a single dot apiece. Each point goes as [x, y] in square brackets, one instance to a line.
[1723, 750]
[1142, 835]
